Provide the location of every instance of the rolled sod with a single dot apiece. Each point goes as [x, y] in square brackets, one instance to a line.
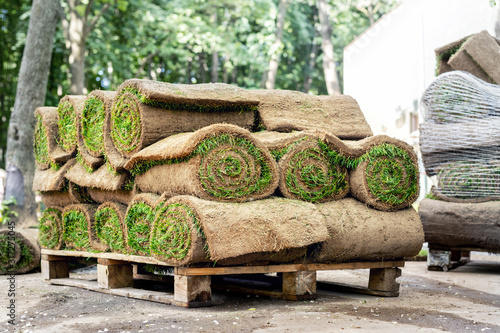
[50, 228]
[285, 111]
[233, 230]
[360, 233]
[19, 252]
[108, 226]
[219, 162]
[47, 152]
[309, 169]
[471, 226]
[119, 196]
[146, 111]
[137, 224]
[103, 178]
[387, 176]
[68, 110]
[468, 181]
[77, 222]
[50, 179]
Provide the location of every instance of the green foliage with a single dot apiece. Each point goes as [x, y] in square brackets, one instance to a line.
[92, 125]
[6, 213]
[49, 229]
[171, 237]
[76, 234]
[66, 122]
[391, 175]
[138, 223]
[108, 229]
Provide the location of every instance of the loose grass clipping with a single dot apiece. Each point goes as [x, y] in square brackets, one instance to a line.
[137, 225]
[47, 152]
[176, 233]
[219, 162]
[387, 176]
[19, 252]
[50, 228]
[77, 221]
[360, 233]
[109, 224]
[146, 111]
[70, 106]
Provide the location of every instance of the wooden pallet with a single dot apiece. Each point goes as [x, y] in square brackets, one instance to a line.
[192, 286]
[444, 258]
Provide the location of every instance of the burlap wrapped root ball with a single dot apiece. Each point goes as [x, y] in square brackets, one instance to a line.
[47, 152]
[189, 229]
[137, 223]
[387, 175]
[147, 111]
[218, 162]
[90, 128]
[51, 228]
[109, 226]
[19, 252]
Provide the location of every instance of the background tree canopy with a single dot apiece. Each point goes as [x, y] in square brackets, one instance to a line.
[181, 41]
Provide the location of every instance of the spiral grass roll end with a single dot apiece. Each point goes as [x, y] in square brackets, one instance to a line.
[176, 234]
[76, 220]
[92, 125]
[66, 121]
[137, 224]
[50, 229]
[313, 172]
[387, 177]
[108, 226]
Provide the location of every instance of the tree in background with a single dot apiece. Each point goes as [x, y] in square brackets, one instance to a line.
[275, 51]
[31, 87]
[329, 66]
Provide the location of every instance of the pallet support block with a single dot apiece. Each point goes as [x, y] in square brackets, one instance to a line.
[192, 291]
[113, 274]
[299, 285]
[384, 279]
[54, 267]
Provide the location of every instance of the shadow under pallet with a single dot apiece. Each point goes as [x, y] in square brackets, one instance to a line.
[122, 275]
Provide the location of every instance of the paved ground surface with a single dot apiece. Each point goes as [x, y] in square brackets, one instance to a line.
[466, 299]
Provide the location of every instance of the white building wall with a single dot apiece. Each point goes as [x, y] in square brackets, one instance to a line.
[388, 67]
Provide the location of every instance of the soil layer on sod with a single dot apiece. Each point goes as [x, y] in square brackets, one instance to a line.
[50, 179]
[359, 233]
[50, 228]
[47, 152]
[219, 162]
[119, 196]
[268, 225]
[19, 252]
[68, 111]
[461, 225]
[146, 111]
[137, 224]
[108, 228]
[286, 111]
[103, 178]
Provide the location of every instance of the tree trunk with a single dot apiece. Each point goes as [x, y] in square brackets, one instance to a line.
[276, 47]
[497, 25]
[77, 53]
[202, 66]
[215, 66]
[31, 89]
[329, 67]
[312, 59]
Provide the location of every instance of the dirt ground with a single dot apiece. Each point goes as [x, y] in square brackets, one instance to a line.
[466, 299]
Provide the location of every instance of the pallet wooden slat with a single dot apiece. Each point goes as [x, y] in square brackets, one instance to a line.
[193, 285]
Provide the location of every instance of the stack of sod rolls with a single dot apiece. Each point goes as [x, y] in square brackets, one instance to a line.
[215, 174]
[460, 145]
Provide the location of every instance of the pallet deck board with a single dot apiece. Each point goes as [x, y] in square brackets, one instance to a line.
[192, 286]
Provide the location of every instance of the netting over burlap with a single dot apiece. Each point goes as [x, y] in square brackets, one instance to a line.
[460, 140]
